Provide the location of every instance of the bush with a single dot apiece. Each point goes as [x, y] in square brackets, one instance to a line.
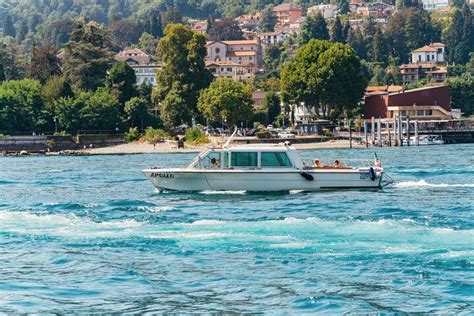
[132, 135]
[154, 136]
[263, 134]
[196, 136]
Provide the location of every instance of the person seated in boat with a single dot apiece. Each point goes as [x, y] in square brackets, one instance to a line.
[317, 164]
[338, 164]
[215, 163]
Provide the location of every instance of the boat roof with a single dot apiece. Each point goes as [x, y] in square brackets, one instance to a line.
[256, 147]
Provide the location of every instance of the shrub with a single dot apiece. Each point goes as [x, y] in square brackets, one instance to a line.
[263, 134]
[196, 136]
[154, 136]
[132, 135]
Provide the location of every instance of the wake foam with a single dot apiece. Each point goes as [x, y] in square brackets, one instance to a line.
[341, 236]
[424, 184]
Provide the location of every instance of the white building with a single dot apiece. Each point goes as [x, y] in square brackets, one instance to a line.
[146, 73]
[141, 63]
[328, 11]
[431, 54]
[240, 52]
[435, 4]
[272, 38]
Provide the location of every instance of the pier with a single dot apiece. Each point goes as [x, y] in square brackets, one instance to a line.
[400, 131]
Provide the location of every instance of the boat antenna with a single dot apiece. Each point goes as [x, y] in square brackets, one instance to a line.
[230, 138]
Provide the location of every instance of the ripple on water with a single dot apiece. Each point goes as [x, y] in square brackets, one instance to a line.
[78, 234]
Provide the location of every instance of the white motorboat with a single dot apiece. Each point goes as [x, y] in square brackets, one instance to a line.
[257, 168]
[426, 140]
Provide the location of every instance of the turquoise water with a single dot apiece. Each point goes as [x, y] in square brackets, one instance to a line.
[89, 234]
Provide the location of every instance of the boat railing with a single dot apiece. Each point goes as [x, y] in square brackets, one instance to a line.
[344, 163]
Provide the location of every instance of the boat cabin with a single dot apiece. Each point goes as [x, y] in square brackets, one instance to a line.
[248, 157]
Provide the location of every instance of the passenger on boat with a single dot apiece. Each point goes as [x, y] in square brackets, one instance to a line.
[337, 164]
[215, 163]
[317, 164]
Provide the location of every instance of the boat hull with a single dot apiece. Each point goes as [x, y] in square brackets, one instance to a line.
[262, 180]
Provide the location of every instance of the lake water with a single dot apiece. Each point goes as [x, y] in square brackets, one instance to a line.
[90, 234]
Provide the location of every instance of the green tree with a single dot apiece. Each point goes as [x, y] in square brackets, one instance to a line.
[356, 40]
[147, 43]
[68, 114]
[272, 107]
[467, 34]
[136, 112]
[22, 31]
[8, 28]
[21, 106]
[55, 88]
[314, 27]
[2, 73]
[87, 56]
[125, 32]
[172, 16]
[462, 93]
[380, 48]
[267, 21]
[225, 30]
[183, 69]
[100, 110]
[272, 57]
[326, 76]
[337, 34]
[174, 110]
[226, 100]
[44, 64]
[121, 81]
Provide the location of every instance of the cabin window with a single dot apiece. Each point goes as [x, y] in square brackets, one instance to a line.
[244, 159]
[275, 159]
[211, 161]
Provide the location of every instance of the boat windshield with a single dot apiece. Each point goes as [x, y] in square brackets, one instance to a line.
[211, 161]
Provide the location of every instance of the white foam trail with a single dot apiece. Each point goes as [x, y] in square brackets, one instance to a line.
[423, 183]
[236, 192]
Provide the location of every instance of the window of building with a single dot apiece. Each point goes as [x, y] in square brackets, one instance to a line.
[428, 112]
[419, 113]
[419, 57]
[404, 113]
[440, 50]
[428, 57]
[217, 50]
[229, 69]
[244, 159]
[275, 159]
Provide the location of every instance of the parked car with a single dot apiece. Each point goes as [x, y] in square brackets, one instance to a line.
[270, 126]
[286, 135]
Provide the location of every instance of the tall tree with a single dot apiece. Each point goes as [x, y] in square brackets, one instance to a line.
[22, 31]
[380, 48]
[456, 49]
[8, 28]
[314, 27]
[226, 100]
[88, 56]
[44, 64]
[2, 73]
[125, 32]
[225, 30]
[356, 40]
[467, 34]
[337, 34]
[326, 76]
[136, 112]
[121, 81]
[267, 21]
[462, 93]
[183, 68]
[171, 16]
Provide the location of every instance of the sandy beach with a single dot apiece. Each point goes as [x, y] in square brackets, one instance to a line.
[171, 147]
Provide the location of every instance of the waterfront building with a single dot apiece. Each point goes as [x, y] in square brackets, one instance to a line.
[287, 13]
[433, 53]
[427, 103]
